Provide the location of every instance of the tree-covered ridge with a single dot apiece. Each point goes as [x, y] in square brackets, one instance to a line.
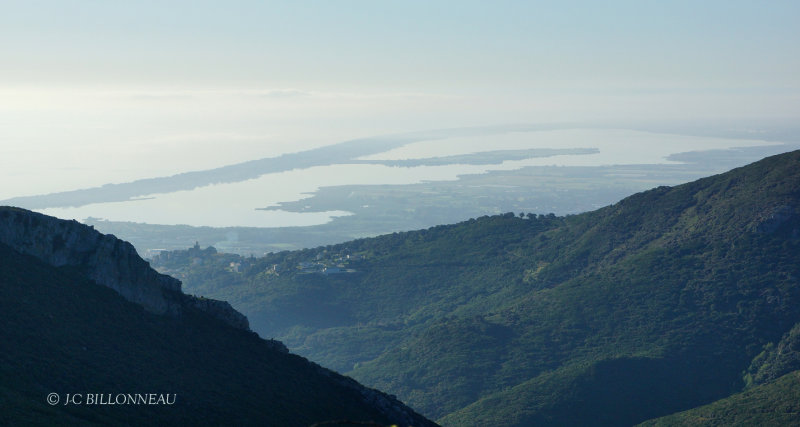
[776, 360]
[649, 306]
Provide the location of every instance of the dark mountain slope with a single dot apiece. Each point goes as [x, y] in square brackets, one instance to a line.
[63, 333]
[653, 305]
[774, 404]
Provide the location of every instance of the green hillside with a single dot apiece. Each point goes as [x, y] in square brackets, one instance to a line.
[773, 404]
[63, 333]
[653, 305]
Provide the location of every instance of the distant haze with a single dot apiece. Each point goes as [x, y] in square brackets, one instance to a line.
[99, 92]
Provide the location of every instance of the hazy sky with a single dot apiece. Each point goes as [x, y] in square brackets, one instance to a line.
[155, 87]
[453, 47]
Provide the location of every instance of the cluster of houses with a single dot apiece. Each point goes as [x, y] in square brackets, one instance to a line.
[319, 267]
[333, 265]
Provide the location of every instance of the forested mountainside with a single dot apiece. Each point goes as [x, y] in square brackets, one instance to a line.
[86, 321]
[668, 300]
[776, 403]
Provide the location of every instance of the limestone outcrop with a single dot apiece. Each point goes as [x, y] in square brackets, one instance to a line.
[106, 260]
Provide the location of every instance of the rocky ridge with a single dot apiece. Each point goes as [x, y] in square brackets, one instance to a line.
[106, 260]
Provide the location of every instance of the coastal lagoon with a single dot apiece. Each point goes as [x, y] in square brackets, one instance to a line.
[246, 203]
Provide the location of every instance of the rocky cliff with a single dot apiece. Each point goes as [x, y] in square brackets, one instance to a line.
[106, 260]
